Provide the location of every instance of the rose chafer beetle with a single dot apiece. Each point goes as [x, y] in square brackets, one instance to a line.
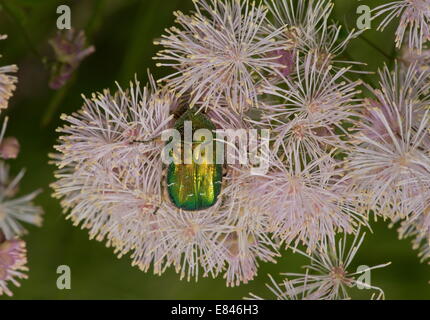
[196, 184]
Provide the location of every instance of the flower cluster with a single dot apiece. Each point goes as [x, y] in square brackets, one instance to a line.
[334, 156]
[329, 276]
[13, 260]
[7, 82]
[14, 209]
[309, 31]
[112, 181]
[389, 162]
[390, 165]
[414, 21]
[222, 52]
[69, 49]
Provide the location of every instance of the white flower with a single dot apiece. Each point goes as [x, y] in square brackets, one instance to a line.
[244, 248]
[110, 166]
[309, 30]
[250, 240]
[414, 21]
[13, 260]
[304, 203]
[421, 59]
[328, 277]
[111, 181]
[16, 210]
[220, 53]
[287, 291]
[188, 241]
[308, 114]
[118, 131]
[390, 159]
[7, 82]
[417, 227]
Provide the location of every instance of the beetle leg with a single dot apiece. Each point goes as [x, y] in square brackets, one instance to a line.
[162, 183]
[145, 141]
[156, 210]
[224, 171]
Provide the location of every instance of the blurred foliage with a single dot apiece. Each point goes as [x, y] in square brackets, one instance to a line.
[123, 32]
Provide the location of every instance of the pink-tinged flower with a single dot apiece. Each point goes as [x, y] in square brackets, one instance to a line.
[109, 160]
[417, 227]
[286, 291]
[9, 148]
[308, 30]
[380, 116]
[329, 277]
[308, 113]
[286, 58]
[302, 19]
[70, 49]
[389, 161]
[424, 249]
[7, 82]
[13, 260]
[221, 52]
[419, 58]
[118, 132]
[159, 235]
[110, 181]
[16, 210]
[304, 203]
[404, 86]
[190, 242]
[243, 252]
[249, 242]
[414, 21]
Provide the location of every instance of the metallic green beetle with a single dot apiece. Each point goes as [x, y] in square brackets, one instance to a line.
[194, 186]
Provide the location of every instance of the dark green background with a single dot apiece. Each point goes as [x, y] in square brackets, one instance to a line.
[123, 31]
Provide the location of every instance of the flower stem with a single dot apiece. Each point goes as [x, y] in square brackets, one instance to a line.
[56, 101]
[365, 76]
[14, 17]
[377, 48]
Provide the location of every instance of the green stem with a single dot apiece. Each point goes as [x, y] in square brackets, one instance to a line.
[56, 100]
[95, 19]
[394, 55]
[374, 46]
[143, 29]
[12, 15]
[365, 76]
